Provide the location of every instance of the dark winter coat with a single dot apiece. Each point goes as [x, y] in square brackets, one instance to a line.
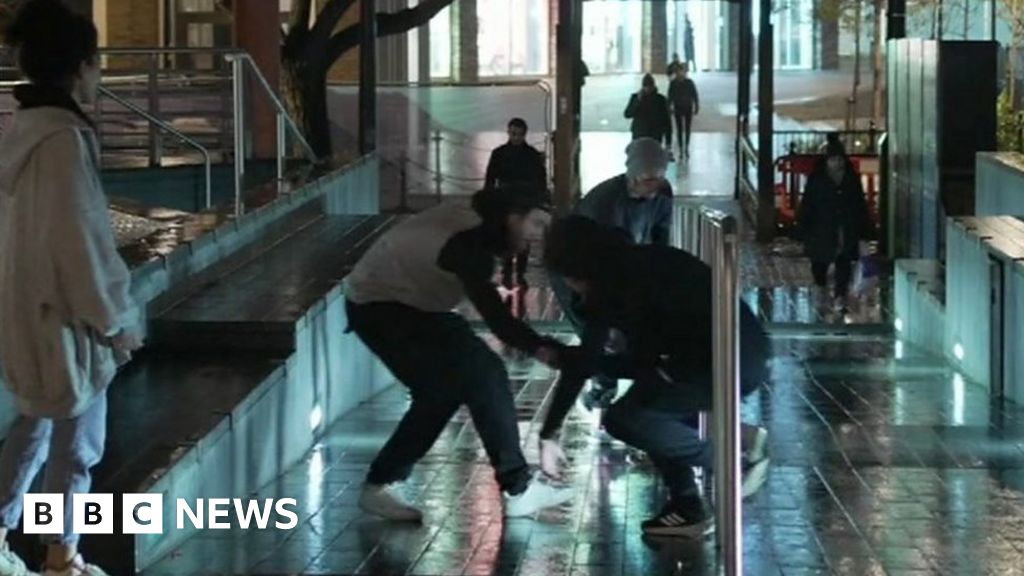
[516, 164]
[832, 219]
[650, 117]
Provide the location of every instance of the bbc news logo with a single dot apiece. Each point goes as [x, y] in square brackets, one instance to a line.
[144, 514]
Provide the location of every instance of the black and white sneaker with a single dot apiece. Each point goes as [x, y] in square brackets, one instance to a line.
[693, 523]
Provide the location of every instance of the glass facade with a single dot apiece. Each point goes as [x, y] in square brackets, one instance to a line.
[512, 38]
[441, 44]
[612, 42]
[794, 34]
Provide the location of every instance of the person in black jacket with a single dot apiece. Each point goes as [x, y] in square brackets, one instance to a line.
[400, 298]
[682, 95]
[516, 163]
[637, 203]
[674, 67]
[660, 299]
[649, 111]
[832, 220]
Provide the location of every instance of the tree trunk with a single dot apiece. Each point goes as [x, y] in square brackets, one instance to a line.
[879, 65]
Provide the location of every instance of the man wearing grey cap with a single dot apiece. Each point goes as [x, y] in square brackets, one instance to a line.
[639, 204]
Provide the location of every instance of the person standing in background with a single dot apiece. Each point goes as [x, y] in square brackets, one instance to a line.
[516, 163]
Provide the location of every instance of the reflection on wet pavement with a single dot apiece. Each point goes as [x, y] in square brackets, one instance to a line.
[884, 462]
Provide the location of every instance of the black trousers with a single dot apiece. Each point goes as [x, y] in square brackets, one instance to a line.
[684, 124]
[442, 362]
[844, 272]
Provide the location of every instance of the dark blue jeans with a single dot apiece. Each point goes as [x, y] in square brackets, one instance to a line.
[658, 415]
[443, 363]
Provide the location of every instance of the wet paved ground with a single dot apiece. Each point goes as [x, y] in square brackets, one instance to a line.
[884, 462]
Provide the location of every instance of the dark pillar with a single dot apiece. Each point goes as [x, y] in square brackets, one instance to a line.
[896, 24]
[744, 67]
[466, 61]
[765, 128]
[254, 22]
[423, 35]
[367, 77]
[569, 34]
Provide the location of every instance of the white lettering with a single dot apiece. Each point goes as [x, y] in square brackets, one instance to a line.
[218, 508]
[282, 510]
[196, 517]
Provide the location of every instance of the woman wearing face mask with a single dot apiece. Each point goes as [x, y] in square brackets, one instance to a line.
[832, 220]
[67, 318]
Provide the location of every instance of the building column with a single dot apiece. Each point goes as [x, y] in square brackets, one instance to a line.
[569, 34]
[765, 125]
[254, 22]
[466, 57]
[424, 52]
[658, 46]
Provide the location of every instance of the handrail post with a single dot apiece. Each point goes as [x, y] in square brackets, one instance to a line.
[437, 165]
[153, 99]
[281, 146]
[726, 394]
[238, 99]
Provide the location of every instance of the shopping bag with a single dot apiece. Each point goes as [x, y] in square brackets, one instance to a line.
[865, 275]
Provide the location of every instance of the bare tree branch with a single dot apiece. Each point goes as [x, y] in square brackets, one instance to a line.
[300, 15]
[327, 20]
[388, 24]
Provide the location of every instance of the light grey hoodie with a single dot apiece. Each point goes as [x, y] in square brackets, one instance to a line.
[64, 290]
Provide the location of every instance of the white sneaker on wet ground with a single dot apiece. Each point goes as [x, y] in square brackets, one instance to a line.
[754, 442]
[537, 496]
[11, 564]
[381, 500]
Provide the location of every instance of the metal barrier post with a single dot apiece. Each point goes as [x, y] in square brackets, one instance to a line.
[437, 165]
[403, 184]
[153, 98]
[238, 96]
[281, 146]
[724, 263]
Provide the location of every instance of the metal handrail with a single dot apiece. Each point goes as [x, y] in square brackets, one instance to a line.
[723, 257]
[153, 120]
[281, 109]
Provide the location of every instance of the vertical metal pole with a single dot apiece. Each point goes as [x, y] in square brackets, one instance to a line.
[281, 146]
[153, 98]
[765, 125]
[238, 99]
[896, 26]
[403, 184]
[725, 355]
[744, 69]
[367, 76]
[437, 165]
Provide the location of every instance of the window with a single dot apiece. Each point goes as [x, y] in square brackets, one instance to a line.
[512, 38]
[611, 36]
[441, 44]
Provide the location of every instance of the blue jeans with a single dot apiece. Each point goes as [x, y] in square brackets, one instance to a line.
[69, 448]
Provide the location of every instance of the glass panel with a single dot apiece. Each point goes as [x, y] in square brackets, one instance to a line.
[441, 44]
[512, 37]
[611, 36]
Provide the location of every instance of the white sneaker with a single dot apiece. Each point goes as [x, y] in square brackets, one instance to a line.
[755, 443]
[11, 564]
[76, 567]
[754, 476]
[380, 501]
[537, 496]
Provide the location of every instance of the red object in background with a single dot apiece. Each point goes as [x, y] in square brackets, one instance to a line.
[792, 172]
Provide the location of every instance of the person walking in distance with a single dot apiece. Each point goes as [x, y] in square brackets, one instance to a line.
[67, 317]
[832, 220]
[511, 164]
[400, 301]
[648, 111]
[685, 102]
[674, 67]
